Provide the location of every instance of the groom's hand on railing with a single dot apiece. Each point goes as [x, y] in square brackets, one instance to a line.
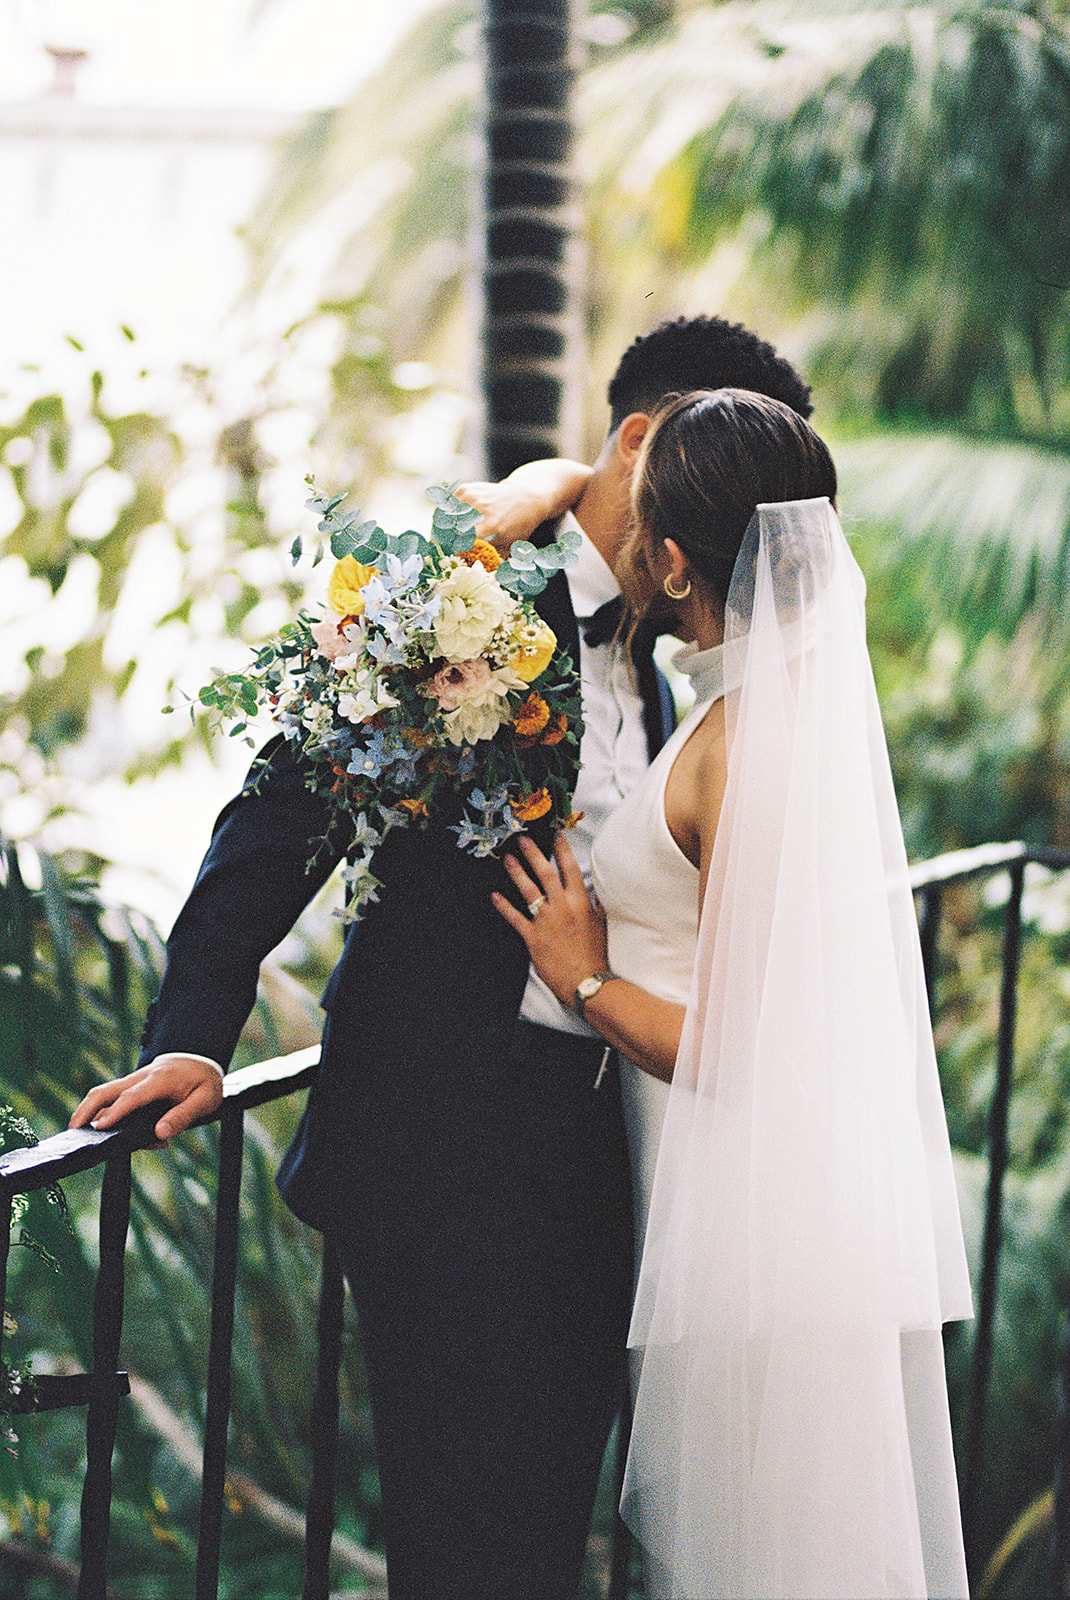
[193, 1087]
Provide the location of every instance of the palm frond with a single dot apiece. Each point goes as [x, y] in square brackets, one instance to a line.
[912, 162]
[986, 523]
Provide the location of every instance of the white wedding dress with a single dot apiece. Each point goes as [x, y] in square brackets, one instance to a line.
[793, 1186]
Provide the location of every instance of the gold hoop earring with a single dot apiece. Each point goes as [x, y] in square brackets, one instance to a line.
[676, 594]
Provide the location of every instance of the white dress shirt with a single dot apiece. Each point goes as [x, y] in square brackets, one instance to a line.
[613, 750]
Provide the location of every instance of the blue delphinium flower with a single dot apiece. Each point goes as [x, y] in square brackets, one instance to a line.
[403, 575]
[467, 833]
[365, 836]
[389, 648]
[423, 618]
[393, 817]
[362, 884]
[496, 823]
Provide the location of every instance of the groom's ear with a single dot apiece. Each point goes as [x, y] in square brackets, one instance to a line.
[630, 435]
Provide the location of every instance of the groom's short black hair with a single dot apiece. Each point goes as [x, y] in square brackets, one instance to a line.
[701, 353]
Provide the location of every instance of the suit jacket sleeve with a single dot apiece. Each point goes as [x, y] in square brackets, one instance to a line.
[252, 885]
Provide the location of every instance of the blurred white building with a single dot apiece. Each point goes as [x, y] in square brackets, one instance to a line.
[123, 217]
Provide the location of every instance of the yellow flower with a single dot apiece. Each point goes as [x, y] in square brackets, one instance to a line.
[532, 806]
[535, 643]
[483, 552]
[344, 589]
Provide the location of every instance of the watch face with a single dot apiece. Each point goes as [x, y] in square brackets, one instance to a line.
[590, 986]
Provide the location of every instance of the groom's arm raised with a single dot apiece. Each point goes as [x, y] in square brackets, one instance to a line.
[537, 492]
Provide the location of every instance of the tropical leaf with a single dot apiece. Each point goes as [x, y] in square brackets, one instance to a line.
[983, 524]
[912, 165]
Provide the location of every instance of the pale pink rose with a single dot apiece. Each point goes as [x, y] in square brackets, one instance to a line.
[458, 682]
[330, 640]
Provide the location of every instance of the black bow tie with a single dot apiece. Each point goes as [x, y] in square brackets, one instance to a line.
[600, 627]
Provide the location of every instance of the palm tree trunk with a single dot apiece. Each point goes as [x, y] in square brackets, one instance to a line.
[530, 338]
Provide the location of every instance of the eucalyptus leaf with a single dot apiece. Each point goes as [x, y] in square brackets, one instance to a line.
[523, 556]
[404, 545]
[523, 583]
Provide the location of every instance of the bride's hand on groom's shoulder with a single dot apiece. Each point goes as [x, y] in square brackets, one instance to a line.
[194, 1088]
[564, 930]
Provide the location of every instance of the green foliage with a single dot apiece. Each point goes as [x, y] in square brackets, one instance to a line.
[965, 548]
[904, 165]
[31, 1216]
[74, 980]
[55, 455]
[144, 542]
[1034, 1265]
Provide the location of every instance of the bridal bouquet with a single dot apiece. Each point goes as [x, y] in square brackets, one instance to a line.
[429, 686]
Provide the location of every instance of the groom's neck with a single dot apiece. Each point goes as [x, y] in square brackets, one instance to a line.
[603, 511]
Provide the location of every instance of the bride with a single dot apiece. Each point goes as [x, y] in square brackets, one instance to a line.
[753, 957]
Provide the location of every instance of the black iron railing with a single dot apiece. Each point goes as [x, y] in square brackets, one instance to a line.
[102, 1389]
[929, 881]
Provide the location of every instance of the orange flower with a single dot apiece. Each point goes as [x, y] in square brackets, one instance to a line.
[557, 730]
[532, 717]
[414, 806]
[573, 819]
[530, 807]
[482, 552]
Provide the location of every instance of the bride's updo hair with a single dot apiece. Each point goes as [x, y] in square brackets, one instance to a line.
[708, 460]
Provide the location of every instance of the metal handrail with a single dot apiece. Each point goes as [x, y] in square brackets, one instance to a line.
[76, 1150]
[73, 1151]
[928, 880]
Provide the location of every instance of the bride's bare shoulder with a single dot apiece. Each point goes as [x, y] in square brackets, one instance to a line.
[696, 784]
[711, 767]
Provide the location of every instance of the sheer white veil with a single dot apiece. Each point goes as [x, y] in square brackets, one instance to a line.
[803, 1224]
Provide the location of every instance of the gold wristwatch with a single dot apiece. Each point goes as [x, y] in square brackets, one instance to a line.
[589, 987]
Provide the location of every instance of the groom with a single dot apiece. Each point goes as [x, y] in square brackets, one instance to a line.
[459, 1149]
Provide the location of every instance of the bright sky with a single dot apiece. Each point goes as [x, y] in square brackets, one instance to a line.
[299, 53]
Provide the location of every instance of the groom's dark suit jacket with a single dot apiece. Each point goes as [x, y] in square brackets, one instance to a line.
[478, 1200]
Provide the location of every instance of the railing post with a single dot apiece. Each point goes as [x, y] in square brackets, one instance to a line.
[6, 1205]
[104, 1395]
[319, 1520]
[932, 901]
[1060, 1581]
[992, 1238]
[217, 1419]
